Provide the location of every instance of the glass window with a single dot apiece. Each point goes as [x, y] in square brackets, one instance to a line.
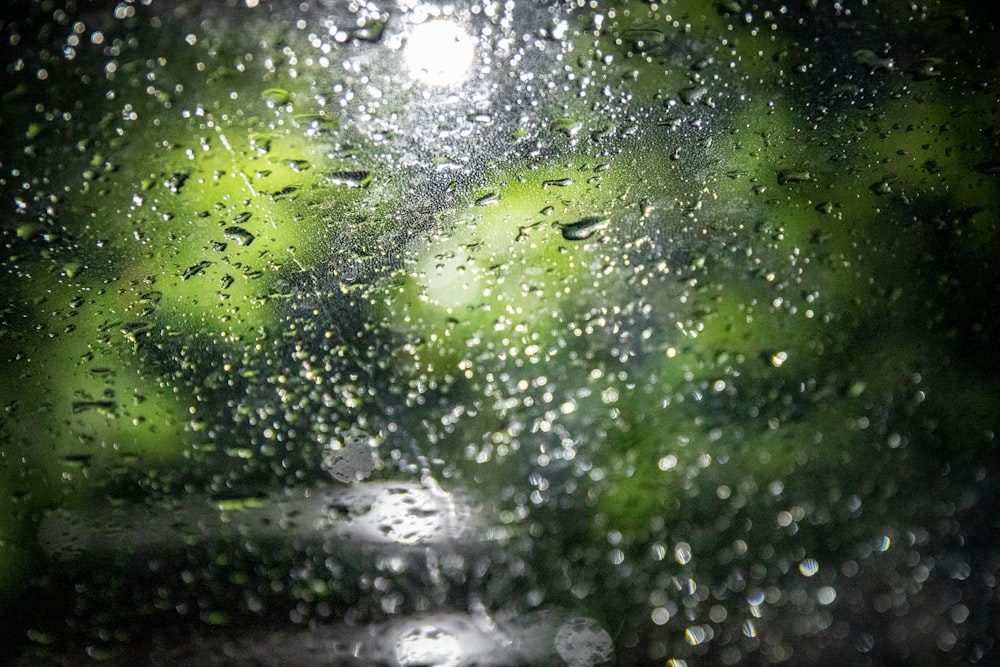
[499, 333]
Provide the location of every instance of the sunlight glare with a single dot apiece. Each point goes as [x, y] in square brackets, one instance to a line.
[439, 53]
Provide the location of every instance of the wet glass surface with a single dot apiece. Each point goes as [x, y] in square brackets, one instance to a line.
[499, 333]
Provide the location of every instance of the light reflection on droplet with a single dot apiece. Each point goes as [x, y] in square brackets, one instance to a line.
[826, 595]
[439, 53]
[660, 615]
[428, 645]
[947, 640]
[808, 567]
[959, 613]
[350, 457]
[697, 634]
[582, 642]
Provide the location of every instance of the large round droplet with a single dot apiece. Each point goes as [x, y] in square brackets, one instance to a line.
[581, 642]
[350, 457]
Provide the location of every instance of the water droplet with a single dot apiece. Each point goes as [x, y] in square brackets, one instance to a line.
[371, 31]
[78, 460]
[925, 69]
[582, 642]
[883, 187]
[697, 634]
[488, 199]
[176, 182]
[195, 269]
[990, 167]
[566, 125]
[557, 182]
[41, 637]
[298, 166]
[277, 95]
[640, 39]
[30, 230]
[100, 406]
[870, 59]
[693, 94]
[260, 144]
[585, 228]
[351, 457]
[959, 613]
[284, 192]
[134, 329]
[826, 595]
[238, 234]
[808, 567]
[350, 179]
[794, 176]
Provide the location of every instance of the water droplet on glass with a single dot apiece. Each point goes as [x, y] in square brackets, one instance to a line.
[582, 642]
[298, 165]
[239, 234]
[175, 183]
[826, 595]
[794, 176]
[488, 199]
[195, 269]
[693, 94]
[698, 634]
[350, 179]
[350, 457]
[566, 125]
[557, 182]
[277, 95]
[584, 228]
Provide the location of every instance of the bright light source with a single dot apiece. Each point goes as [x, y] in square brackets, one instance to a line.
[428, 645]
[439, 53]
